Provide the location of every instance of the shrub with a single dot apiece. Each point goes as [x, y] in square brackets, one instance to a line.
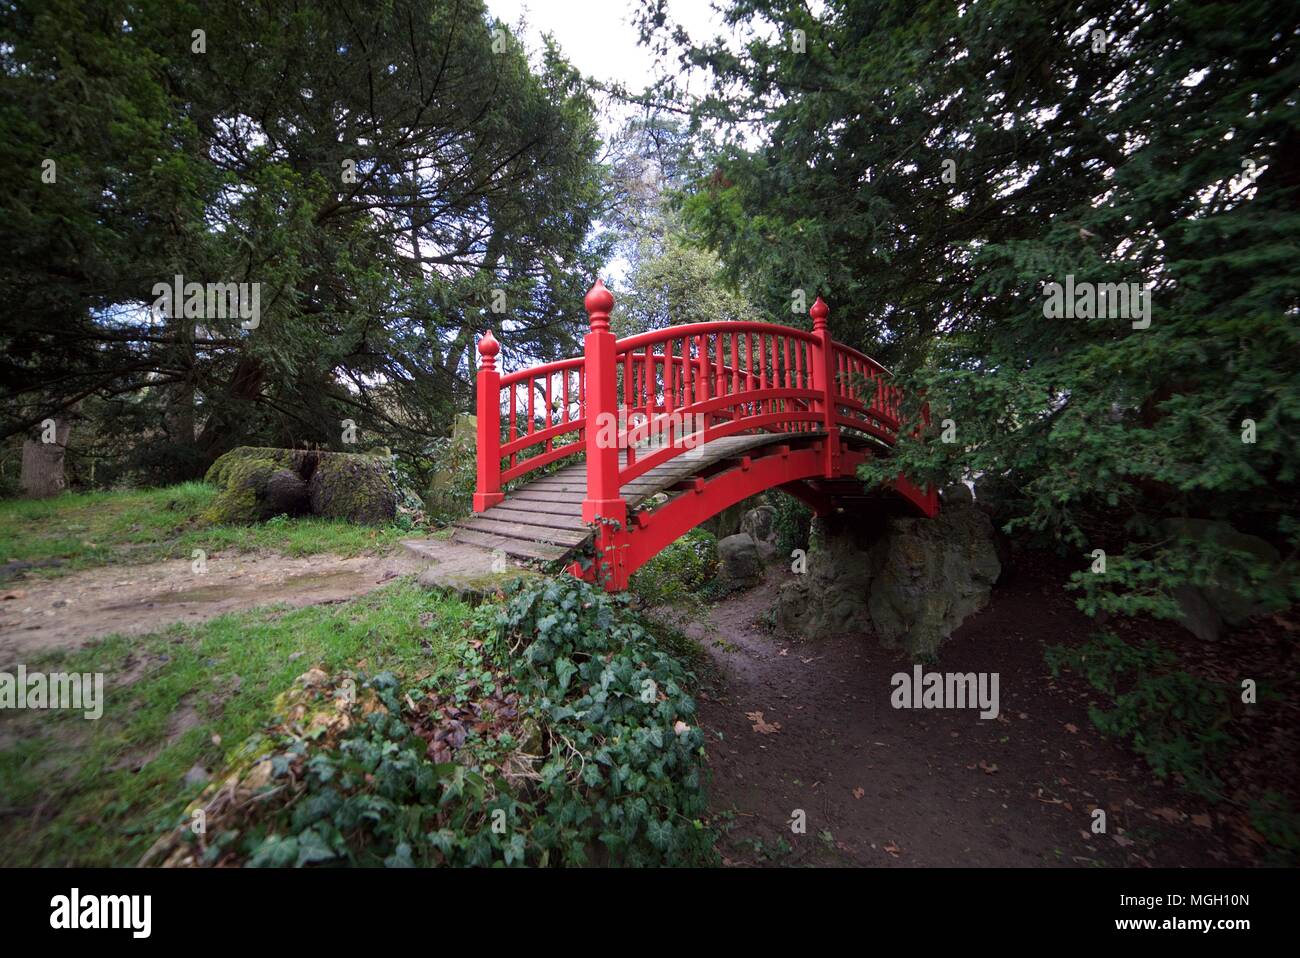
[793, 523]
[626, 763]
[1176, 721]
[564, 736]
[680, 573]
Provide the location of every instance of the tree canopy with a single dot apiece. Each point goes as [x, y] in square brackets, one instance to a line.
[390, 176]
[931, 168]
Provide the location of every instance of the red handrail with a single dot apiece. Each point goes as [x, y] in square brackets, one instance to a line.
[633, 403]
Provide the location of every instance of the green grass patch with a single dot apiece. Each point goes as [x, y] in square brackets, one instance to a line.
[79, 530]
[97, 793]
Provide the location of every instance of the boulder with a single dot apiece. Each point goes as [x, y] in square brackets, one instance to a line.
[257, 483]
[911, 582]
[299, 461]
[286, 494]
[451, 484]
[830, 597]
[727, 522]
[1232, 598]
[739, 564]
[929, 575]
[242, 499]
[760, 523]
[355, 487]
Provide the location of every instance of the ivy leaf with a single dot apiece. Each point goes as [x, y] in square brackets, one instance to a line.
[564, 671]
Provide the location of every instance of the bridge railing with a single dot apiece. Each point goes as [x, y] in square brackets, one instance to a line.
[632, 404]
[688, 385]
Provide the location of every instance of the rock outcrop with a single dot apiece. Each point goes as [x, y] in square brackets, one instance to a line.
[739, 564]
[257, 483]
[286, 494]
[1232, 598]
[451, 484]
[911, 582]
[357, 488]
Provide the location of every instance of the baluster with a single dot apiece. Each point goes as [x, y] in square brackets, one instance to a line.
[670, 389]
[749, 369]
[785, 370]
[735, 364]
[719, 370]
[531, 389]
[582, 401]
[548, 410]
[702, 357]
[627, 383]
[514, 415]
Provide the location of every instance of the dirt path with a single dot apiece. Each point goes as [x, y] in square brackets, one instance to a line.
[888, 787]
[40, 615]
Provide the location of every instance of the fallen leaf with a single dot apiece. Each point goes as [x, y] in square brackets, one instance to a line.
[762, 727]
[1201, 821]
[859, 792]
[893, 849]
[988, 769]
[1072, 728]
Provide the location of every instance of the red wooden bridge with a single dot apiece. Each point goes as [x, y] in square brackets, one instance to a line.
[668, 428]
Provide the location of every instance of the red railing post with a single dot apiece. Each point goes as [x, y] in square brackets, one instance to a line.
[488, 492]
[603, 500]
[823, 369]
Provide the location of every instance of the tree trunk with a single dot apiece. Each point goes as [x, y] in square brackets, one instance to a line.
[42, 474]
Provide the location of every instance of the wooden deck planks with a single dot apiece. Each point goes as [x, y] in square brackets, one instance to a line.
[542, 519]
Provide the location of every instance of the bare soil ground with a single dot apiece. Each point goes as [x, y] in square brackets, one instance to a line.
[39, 615]
[801, 725]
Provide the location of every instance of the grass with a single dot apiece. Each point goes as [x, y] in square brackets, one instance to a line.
[78, 530]
[98, 793]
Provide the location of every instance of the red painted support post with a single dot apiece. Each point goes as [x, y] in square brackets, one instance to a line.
[488, 492]
[823, 370]
[603, 500]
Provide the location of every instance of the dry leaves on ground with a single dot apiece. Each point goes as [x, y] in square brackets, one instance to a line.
[762, 727]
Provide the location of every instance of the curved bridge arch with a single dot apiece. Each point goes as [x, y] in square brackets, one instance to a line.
[672, 427]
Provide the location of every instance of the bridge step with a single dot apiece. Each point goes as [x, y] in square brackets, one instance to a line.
[515, 530]
[542, 519]
[521, 548]
[512, 512]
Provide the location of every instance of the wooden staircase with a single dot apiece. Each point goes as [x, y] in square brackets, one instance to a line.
[542, 519]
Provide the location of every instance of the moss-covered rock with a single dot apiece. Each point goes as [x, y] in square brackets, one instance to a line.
[243, 500]
[300, 461]
[451, 485]
[358, 488]
[286, 494]
[259, 482]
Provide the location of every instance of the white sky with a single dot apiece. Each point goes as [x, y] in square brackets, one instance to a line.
[599, 36]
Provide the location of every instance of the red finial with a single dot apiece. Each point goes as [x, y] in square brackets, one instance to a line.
[488, 348]
[599, 301]
[819, 312]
